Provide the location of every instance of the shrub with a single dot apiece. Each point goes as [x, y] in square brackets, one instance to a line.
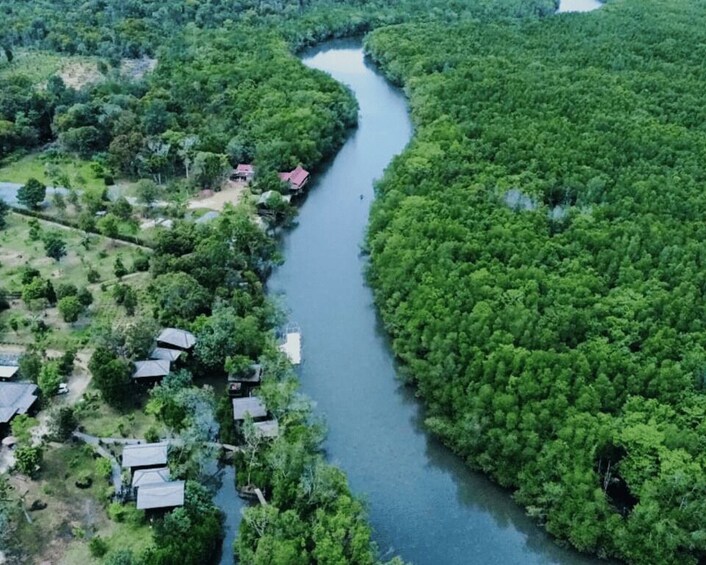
[93, 276]
[97, 546]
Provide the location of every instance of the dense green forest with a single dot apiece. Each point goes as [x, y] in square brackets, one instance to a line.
[538, 257]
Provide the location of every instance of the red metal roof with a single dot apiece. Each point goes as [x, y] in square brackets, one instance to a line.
[244, 168]
[298, 176]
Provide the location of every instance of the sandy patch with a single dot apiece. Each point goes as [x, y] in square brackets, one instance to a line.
[137, 68]
[78, 75]
[232, 193]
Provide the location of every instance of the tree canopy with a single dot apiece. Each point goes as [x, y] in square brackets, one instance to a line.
[536, 255]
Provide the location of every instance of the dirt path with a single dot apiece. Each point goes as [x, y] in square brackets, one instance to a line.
[232, 193]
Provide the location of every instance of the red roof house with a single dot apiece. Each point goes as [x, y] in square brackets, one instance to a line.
[297, 178]
[243, 171]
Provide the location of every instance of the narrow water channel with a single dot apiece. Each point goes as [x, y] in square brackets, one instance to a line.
[424, 504]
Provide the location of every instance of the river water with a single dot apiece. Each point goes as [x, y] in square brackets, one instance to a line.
[424, 504]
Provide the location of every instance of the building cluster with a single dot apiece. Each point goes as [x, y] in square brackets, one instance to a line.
[150, 480]
[242, 389]
[172, 343]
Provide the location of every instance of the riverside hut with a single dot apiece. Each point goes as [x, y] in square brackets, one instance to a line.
[241, 384]
[174, 338]
[250, 405]
[160, 495]
[145, 456]
[297, 179]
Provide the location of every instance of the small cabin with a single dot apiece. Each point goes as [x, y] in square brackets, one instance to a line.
[151, 370]
[297, 179]
[160, 496]
[165, 354]
[174, 338]
[142, 477]
[240, 385]
[249, 406]
[8, 372]
[145, 456]
[15, 399]
[268, 429]
[243, 172]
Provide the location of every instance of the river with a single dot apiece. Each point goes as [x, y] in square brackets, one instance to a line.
[424, 504]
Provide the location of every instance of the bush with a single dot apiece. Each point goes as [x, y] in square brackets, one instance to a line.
[93, 276]
[141, 263]
[84, 480]
[66, 289]
[152, 435]
[97, 546]
[103, 468]
[66, 362]
[70, 309]
[28, 459]
[63, 423]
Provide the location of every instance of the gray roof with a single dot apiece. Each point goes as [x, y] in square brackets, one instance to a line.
[180, 339]
[249, 405]
[15, 398]
[165, 354]
[8, 372]
[269, 428]
[265, 197]
[152, 368]
[254, 376]
[145, 454]
[160, 495]
[143, 477]
[208, 216]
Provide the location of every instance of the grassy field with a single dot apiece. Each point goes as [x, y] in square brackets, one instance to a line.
[99, 419]
[37, 165]
[38, 66]
[61, 531]
[18, 251]
[71, 512]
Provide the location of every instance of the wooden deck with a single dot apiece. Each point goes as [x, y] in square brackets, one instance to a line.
[292, 346]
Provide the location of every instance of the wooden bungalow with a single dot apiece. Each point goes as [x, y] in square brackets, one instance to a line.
[267, 429]
[242, 384]
[174, 338]
[142, 477]
[160, 496]
[151, 370]
[145, 456]
[15, 399]
[243, 172]
[250, 405]
[297, 179]
[165, 354]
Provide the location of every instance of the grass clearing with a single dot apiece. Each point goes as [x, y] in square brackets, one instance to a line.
[71, 512]
[84, 253]
[39, 66]
[50, 169]
[99, 419]
[60, 533]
